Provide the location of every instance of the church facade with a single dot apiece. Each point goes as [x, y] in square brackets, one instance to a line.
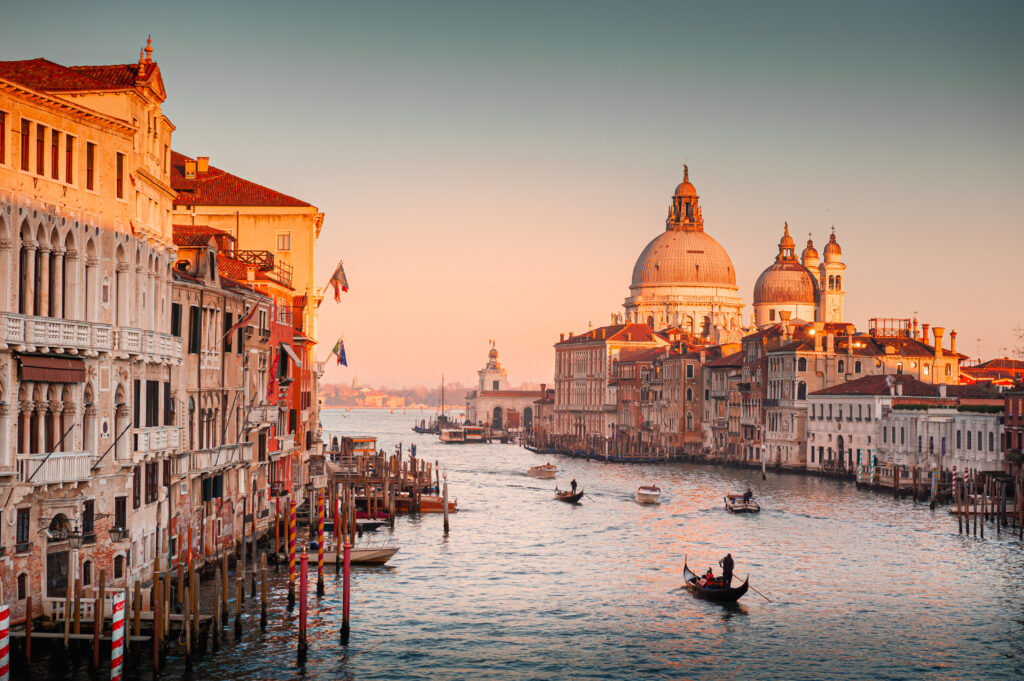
[495, 404]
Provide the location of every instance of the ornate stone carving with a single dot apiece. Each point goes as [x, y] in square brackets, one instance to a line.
[6, 244]
[44, 248]
[26, 405]
[56, 406]
[71, 254]
[122, 267]
[90, 411]
[92, 262]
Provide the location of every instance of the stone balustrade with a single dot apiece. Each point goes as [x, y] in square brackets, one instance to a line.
[160, 346]
[55, 333]
[59, 467]
[157, 438]
[205, 460]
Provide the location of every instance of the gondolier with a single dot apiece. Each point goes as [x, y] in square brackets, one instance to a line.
[726, 564]
[573, 485]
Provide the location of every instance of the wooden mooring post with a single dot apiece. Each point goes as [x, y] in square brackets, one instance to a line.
[263, 591]
[216, 608]
[97, 620]
[239, 588]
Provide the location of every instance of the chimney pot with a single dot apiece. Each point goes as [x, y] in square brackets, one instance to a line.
[203, 164]
[942, 390]
[190, 170]
[952, 341]
[939, 331]
[899, 389]
[561, 337]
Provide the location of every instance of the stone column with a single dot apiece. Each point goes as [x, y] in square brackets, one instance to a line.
[5, 446]
[89, 299]
[25, 408]
[58, 282]
[43, 281]
[26, 306]
[57, 427]
[121, 417]
[89, 431]
[41, 407]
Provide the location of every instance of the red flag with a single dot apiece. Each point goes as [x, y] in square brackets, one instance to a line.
[243, 322]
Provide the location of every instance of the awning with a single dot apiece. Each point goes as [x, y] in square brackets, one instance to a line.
[52, 369]
[291, 353]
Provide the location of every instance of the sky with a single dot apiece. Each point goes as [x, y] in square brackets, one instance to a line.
[493, 170]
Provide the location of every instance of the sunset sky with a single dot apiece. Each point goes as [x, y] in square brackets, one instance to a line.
[493, 170]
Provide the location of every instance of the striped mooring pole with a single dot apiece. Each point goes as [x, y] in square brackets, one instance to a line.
[291, 552]
[117, 637]
[5, 642]
[320, 543]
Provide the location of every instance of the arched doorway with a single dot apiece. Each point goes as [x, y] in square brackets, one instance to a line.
[496, 422]
[57, 556]
[528, 418]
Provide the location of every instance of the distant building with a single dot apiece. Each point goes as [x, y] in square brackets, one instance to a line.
[494, 404]
[1013, 437]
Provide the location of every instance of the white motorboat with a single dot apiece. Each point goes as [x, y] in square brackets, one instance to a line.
[546, 471]
[647, 494]
[735, 503]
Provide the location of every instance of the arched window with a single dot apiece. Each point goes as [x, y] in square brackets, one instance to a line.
[689, 422]
[856, 367]
[801, 391]
[118, 566]
[801, 364]
[899, 368]
[22, 586]
[831, 285]
[968, 439]
[689, 394]
[842, 367]
[87, 573]
[839, 283]
[650, 321]
[949, 370]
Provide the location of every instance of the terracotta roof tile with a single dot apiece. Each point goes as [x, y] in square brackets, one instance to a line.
[219, 188]
[47, 76]
[193, 236]
[733, 360]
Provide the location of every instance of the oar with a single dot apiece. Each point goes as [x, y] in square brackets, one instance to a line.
[756, 591]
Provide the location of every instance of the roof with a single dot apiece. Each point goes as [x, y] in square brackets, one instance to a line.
[511, 393]
[1014, 366]
[622, 333]
[733, 360]
[217, 187]
[47, 76]
[879, 385]
[194, 236]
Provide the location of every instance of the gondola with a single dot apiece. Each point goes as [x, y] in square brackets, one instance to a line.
[568, 497]
[714, 594]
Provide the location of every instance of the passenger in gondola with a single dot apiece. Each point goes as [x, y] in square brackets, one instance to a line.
[573, 485]
[727, 564]
[709, 578]
[747, 496]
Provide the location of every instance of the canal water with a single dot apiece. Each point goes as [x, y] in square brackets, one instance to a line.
[862, 586]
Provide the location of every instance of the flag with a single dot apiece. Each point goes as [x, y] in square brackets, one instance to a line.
[272, 383]
[338, 279]
[243, 322]
[339, 350]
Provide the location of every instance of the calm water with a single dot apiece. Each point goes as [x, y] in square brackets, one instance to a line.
[524, 587]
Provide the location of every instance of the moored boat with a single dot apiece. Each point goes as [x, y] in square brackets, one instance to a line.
[429, 503]
[717, 594]
[647, 494]
[545, 471]
[568, 497]
[362, 555]
[735, 503]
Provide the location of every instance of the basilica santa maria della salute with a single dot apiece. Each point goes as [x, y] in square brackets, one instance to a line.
[684, 278]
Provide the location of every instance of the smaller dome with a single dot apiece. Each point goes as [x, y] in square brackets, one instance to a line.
[785, 282]
[810, 251]
[787, 240]
[832, 250]
[684, 188]
[493, 354]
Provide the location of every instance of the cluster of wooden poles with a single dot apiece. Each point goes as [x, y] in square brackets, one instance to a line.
[980, 497]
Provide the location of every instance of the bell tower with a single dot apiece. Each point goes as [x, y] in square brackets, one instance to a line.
[832, 274]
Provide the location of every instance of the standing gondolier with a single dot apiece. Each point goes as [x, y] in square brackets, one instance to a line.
[573, 485]
[726, 564]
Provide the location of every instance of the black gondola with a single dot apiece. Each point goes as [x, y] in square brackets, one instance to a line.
[568, 497]
[715, 594]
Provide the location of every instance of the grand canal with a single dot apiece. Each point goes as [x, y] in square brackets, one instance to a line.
[862, 586]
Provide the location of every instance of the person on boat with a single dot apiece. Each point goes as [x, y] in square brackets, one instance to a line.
[727, 564]
[573, 485]
[747, 496]
[708, 578]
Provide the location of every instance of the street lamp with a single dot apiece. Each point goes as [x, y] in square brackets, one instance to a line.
[118, 534]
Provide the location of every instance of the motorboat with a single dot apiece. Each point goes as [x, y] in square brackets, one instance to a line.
[647, 494]
[547, 470]
[735, 503]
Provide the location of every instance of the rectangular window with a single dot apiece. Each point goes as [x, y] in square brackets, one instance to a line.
[69, 159]
[120, 176]
[137, 487]
[23, 526]
[167, 472]
[284, 241]
[194, 329]
[137, 407]
[90, 165]
[88, 516]
[152, 481]
[121, 512]
[168, 405]
[152, 403]
[26, 132]
[176, 319]
[55, 155]
[40, 149]
[228, 321]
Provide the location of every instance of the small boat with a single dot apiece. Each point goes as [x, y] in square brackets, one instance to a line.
[568, 497]
[429, 503]
[360, 555]
[647, 494]
[546, 471]
[735, 504]
[716, 594]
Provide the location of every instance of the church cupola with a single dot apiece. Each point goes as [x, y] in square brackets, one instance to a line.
[831, 275]
[684, 213]
[787, 247]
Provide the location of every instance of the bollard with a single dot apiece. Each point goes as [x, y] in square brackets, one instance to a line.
[263, 588]
[277, 534]
[97, 620]
[291, 554]
[225, 613]
[187, 622]
[303, 578]
[216, 609]
[346, 587]
[5, 642]
[28, 631]
[444, 503]
[137, 610]
[239, 588]
[154, 598]
[320, 544]
[117, 636]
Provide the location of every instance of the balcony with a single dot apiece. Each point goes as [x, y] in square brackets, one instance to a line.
[160, 347]
[157, 438]
[263, 414]
[58, 468]
[771, 402]
[54, 334]
[206, 460]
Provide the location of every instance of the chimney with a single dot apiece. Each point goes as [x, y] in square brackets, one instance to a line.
[561, 338]
[613, 317]
[952, 341]
[250, 273]
[938, 331]
[570, 335]
[899, 389]
[203, 164]
[818, 329]
[543, 389]
[830, 342]
[703, 356]
[604, 333]
[924, 332]
[785, 315]
[915, 329]
[942, 389]
[190, 170]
